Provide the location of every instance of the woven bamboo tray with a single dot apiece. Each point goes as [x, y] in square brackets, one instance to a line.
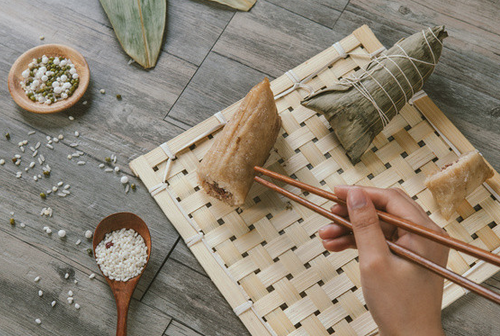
[265, 257]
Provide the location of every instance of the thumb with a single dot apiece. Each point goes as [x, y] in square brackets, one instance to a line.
[368, 234]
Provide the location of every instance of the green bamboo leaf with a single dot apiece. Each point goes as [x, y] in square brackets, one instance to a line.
[243, 5]
[139, 26]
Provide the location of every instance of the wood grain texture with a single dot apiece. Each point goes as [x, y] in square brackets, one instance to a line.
[325, 12]
[218, 83]
[20, 304]
[82, 210]
[210, 58]
[273, 40]
[192, 299]
[177, 329]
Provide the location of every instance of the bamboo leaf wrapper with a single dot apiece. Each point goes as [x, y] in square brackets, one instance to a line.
[359, 107]
[243, 5]
[139, 26]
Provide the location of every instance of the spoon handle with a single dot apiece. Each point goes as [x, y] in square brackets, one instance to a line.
[121, 326]
[123, 295]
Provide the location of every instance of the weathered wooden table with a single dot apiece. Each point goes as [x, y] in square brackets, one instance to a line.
[211, 57]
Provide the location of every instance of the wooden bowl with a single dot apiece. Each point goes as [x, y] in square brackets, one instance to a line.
[21, 64]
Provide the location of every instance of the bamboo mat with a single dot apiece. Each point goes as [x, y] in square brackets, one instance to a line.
[265, 257]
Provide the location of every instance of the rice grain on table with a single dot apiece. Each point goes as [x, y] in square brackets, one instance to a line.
[122, 254]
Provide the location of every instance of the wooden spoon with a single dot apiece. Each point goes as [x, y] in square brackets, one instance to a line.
[122, 290]
[21, 64]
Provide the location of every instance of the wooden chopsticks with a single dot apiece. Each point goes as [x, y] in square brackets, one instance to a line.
[404, 224]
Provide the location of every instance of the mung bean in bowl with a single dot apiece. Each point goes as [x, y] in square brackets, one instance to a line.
[48, 78]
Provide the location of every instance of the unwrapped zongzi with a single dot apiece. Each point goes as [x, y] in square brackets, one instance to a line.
[226, 171]
[359, 106]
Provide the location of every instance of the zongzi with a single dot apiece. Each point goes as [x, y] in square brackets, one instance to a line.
[455, 181]
[226, 171]
[359, 106]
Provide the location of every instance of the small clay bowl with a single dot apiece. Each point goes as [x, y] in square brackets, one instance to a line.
[21, 64]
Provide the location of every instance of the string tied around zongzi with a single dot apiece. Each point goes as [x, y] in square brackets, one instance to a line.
[359, 106]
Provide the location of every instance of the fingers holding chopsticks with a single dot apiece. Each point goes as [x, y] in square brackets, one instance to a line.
[394, 201]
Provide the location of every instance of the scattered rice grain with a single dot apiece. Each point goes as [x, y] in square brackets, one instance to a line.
[81, 163]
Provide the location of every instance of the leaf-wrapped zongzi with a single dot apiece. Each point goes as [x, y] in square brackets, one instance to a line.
[360, 106]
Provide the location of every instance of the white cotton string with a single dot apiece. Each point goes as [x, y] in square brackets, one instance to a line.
[356, 81]
[414, 65]
[194, 239]
[417, 96]
[167, 151]
[404, 75]
[432, 32]
[340, 49]
[157, 189]
[365, 93]
[370, 55]
[245, 306]
[297, 83]
[171, 156]
[395, 79]
[386, 93]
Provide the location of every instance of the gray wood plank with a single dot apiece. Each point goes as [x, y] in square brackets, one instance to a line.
[178, 329]
[129, 127]
[218, 83]
[471, 54]
[473, 315]
[94, 195]
[325, 12]
[273, 40]
[193, 27]
[472, 112]
[193, 300]
[20, 304]
[182, 254]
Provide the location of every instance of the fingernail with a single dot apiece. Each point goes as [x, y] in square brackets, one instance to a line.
[356, 198]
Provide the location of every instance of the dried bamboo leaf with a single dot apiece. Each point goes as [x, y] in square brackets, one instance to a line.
[139, 26]
[354, 118]
[243, 5]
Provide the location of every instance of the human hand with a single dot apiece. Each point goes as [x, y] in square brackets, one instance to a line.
[404, 298]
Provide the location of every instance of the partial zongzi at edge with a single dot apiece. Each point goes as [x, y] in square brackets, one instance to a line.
[359, 107]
